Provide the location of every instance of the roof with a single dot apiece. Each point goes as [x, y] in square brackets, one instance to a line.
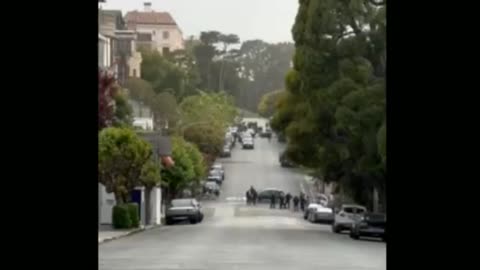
[152, 17]
[116, 14]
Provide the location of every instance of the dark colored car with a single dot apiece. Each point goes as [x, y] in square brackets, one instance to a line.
[266, 194]
[370, 225]
[285, 161]
[184, 209]
[226, 152]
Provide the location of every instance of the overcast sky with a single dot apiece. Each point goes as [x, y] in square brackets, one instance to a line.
[269, 20]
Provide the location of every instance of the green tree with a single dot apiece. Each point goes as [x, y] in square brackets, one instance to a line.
[262, 67]
[179, 176]
[162, 74]
[204, 118]
[335, 106]
[163, 105]
[269, 102]
[121, 158]
[226, 40]
[199, 165]
[123, 111]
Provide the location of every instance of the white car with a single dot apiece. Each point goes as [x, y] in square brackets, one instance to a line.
[247, 143]
[346, 216]
[316, 212]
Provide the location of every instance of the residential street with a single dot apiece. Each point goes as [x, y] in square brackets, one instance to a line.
[234, 236]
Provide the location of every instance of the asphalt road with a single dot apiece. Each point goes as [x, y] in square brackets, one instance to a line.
[235, 236]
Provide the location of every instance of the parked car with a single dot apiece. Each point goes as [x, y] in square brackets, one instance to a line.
[266, 194]
[370, 225]
[213, 187]
[247, 143]
[316, 212]
[215, 178]
[252, 132]
[219, 168]
[226, 152]
[346, 215]
[267, 133]
[184, 209]
[285, 161]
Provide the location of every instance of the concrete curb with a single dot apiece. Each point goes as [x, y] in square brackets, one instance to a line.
[132, 232]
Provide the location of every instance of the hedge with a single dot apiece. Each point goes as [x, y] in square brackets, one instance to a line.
[133, 214]
[121, 217]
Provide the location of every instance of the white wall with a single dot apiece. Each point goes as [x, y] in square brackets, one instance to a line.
[106, 201]
[174, 41]
[104, 48]
[155, 206]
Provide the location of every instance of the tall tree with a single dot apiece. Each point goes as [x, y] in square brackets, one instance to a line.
[335, 104]
[162, 74]
[226, 41]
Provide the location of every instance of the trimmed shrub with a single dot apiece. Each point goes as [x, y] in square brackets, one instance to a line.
[121, 217]
[133, 214]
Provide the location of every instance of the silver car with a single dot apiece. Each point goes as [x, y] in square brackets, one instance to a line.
[184, 209]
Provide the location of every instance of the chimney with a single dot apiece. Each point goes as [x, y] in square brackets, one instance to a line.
[147, 6]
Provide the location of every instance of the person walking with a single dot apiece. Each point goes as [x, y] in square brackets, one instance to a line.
[248, 196]
[295, 203]
[272, 201]
[302, 201]
[254, 195]
[288, 197]
[282, 201]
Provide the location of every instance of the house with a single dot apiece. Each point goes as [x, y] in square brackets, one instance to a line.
[142, 115]
[125, 59]
[165, 33]
[104, 51]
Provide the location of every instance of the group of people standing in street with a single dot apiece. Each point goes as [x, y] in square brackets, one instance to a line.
[284, 201]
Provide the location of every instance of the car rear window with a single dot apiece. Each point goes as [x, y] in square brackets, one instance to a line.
[182, 202]
[348, 210]
[360, 210]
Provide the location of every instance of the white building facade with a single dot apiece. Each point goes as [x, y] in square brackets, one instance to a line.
[166, 34]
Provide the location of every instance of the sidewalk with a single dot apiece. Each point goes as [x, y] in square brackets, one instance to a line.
[108, 233]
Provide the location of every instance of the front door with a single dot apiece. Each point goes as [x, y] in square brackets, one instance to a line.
[137, 198]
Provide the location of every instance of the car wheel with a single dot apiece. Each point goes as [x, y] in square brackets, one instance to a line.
[335, 229]
[168, 221]
[305, 215]
[384, 238]
[200, 218]
[193, 220]
[311, 218]
[353, 235]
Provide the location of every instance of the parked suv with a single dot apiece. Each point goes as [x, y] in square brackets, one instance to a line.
[346, 215]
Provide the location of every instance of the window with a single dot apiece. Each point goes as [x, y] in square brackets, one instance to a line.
[165, 50]
[166, 34]
[134, 73]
